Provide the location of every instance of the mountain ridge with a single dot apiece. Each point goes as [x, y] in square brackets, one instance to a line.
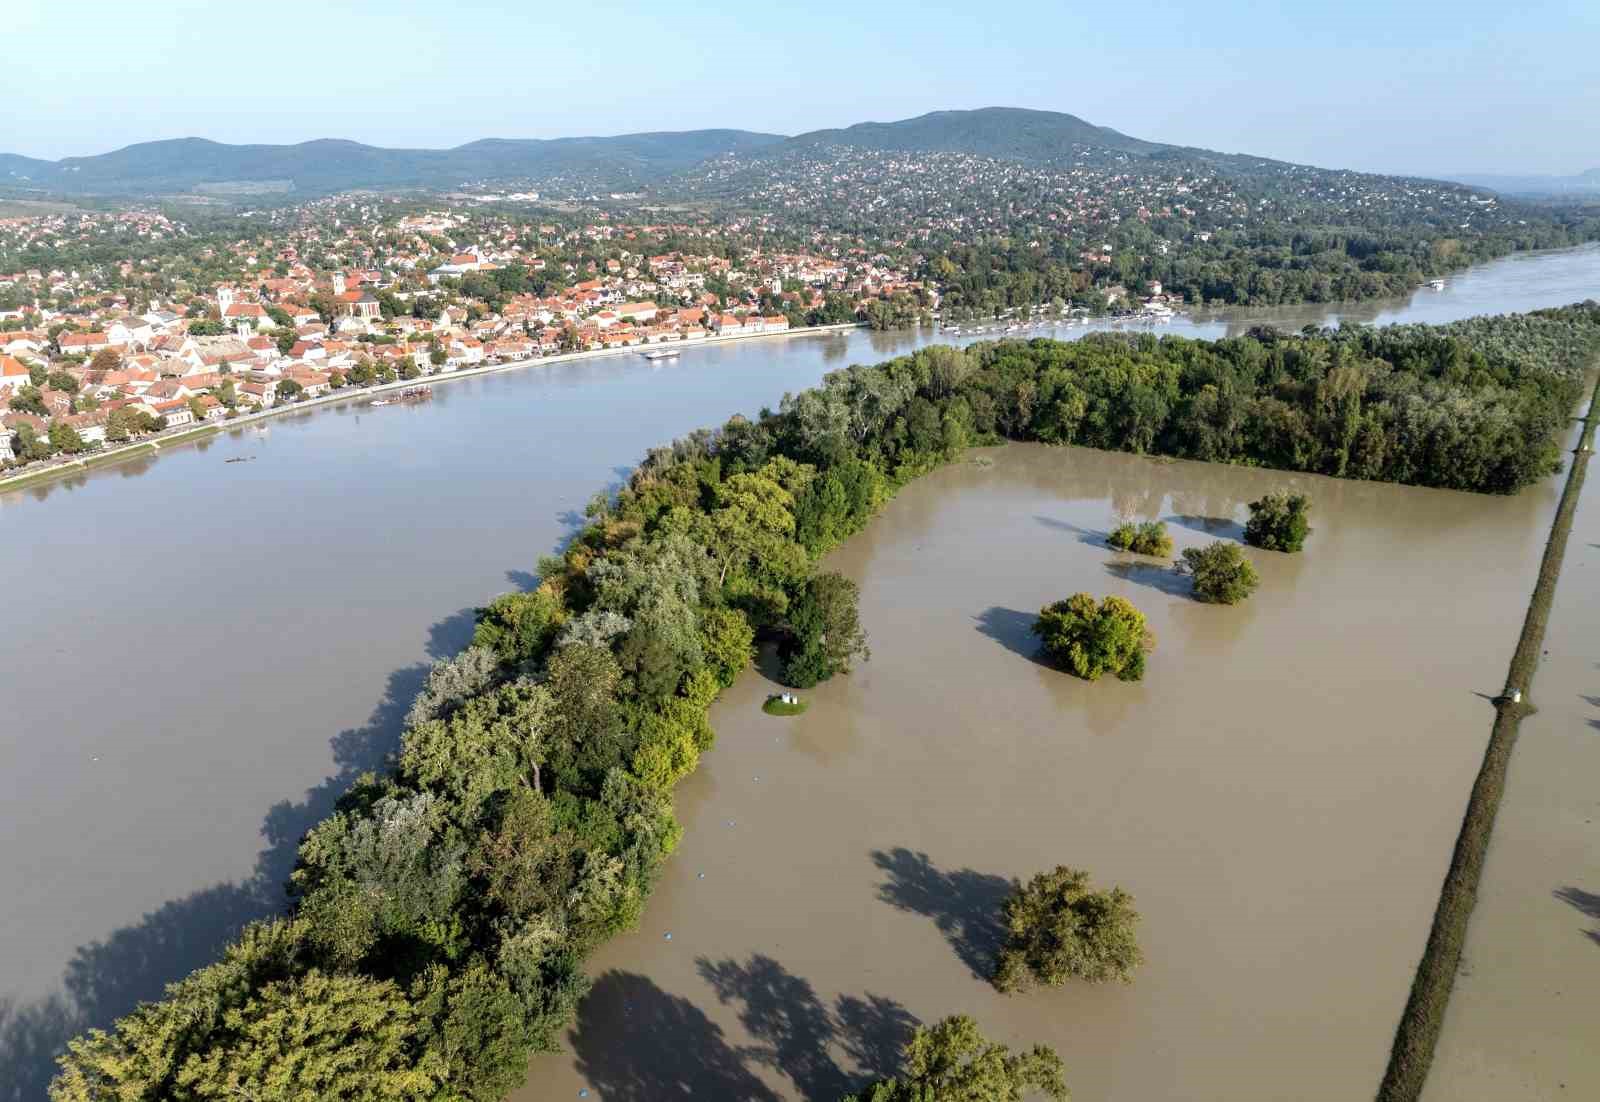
[623, 161]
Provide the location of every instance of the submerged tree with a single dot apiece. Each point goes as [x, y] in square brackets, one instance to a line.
[1278, 522]
[1221, 573]
[1149, 538]
[1090, 639]
[953, 1062]
[1058, 928]
[825, 631]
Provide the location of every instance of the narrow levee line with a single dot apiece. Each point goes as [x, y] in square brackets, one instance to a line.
[1420, 1023]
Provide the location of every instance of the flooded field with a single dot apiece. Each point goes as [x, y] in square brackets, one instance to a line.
[1280, 795]
[199, 656]
[1524, 1022]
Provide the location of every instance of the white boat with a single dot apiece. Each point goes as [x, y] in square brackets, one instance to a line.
[663, 354]
[1436, 284]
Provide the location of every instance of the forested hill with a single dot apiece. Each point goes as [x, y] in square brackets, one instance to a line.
[1008, 132]
[623, 162]
[329, 165]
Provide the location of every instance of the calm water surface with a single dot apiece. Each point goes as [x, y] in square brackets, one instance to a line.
[198, 655]
[1280, 794]
[1522, 1021]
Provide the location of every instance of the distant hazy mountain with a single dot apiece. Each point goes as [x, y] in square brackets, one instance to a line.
[1585, 183]
[1007, 132]
[614, 163]
[327, 165]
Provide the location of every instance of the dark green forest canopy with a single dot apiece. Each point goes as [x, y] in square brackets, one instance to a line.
[445, 910]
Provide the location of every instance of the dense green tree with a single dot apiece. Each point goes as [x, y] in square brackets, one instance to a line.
[481, 1032]
[1279, 522]
[29, 446]
[1222, 575]
[1059, 928]
[727, 641]
[127, 422]
[140, 1059]
[520, 627]
[825, 634]
[584, 734]
[1090, 639]
[65, 438]
[951, 1061]
[1149, 538]
[28, 399]
[317, 1036]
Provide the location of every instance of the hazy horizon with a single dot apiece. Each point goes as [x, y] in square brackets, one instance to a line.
[1432, 89]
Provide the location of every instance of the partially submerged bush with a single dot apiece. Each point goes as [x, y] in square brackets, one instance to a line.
[1058, 928]
[1278, 522]
[952, 1062]
[1149, 538]
[1090, 639]
[1221, 573]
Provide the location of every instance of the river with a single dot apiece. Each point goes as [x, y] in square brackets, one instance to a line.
[1280, 795]
[199, 654]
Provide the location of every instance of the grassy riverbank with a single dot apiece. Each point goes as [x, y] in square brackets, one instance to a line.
[1423, 1018]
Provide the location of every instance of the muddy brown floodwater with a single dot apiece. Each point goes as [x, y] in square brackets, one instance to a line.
[1524, 1022]
[1280, 794]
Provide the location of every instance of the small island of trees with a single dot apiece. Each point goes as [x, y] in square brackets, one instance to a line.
[1149, 538]
[1278, 522]
[1222, 575]
[953, 1062]
[1059, 928]
[1090, 638]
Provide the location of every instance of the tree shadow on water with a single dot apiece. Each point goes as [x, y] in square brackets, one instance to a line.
[1222, 528]
[1013, 630]
[637, 1043]
[1090, 536]
[1586, 903]
[801, 1037]
[1155, 575]
[964, 904]
[108, 978]
[446, 639]
[525, 581]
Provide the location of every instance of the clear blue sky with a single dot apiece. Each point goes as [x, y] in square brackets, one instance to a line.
[1383, 85]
